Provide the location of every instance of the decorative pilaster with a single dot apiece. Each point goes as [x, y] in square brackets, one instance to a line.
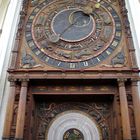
[124, 111]
[136, 104]
[14, 55]
[9, 111]
[130, 43]
[19, 33]
[21, 111]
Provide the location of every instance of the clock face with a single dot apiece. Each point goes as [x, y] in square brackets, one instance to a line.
[62, 34]
[72, 25]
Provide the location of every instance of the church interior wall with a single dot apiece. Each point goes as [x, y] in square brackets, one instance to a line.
[7, 40]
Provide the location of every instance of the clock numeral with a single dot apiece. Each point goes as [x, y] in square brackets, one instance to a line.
[85, 64]
[118, 25]
[28, 35]
[32, 45]
[115, 43]
[37, 52]
[59, 64]
[108, 52]
[31, 17]
[98, 59]
[118, 34]
[72, 65]
[110, 9]
[28, 25]
[47, 59]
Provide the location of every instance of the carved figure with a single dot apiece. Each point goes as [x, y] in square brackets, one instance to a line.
[61, 53]
[118, 59]
[27, 61]
[82, 53]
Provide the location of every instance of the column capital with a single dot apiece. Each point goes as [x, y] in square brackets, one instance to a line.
[12, 81]
[134, 81]
[121, 82]
[24, 82]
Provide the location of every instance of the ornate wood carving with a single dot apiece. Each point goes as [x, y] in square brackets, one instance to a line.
[119, 59]
[101, 112]
[25, 14]
[32, 60]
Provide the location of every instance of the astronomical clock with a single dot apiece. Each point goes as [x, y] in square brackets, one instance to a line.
[73, 73]
[73, 35]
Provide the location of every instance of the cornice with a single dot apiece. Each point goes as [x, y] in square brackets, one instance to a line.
[69, 74]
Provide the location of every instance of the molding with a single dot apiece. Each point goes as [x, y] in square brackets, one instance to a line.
[133, 7]
[133, 14]
[109, 74]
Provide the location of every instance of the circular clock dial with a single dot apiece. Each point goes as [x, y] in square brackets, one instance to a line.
[72, 25]
[73, 125]
[61, 35]
[73, 134]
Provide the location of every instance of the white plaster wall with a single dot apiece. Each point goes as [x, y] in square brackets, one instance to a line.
[133, 7]
[3, 9]
[6, 43]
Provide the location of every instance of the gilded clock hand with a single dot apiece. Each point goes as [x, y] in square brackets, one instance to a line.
[54, 38]
[71, 24]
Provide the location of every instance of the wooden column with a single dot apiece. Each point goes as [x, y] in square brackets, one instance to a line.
[21, 111]
[124, 111]
[136, 104]
[9, 111]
